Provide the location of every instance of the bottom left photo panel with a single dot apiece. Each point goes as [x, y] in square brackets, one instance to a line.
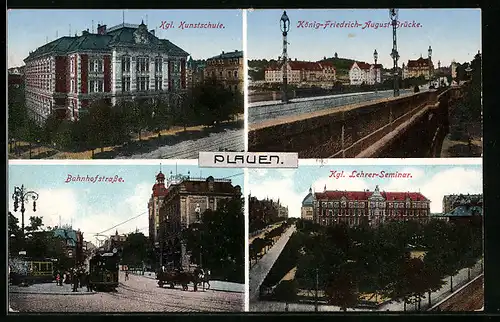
[125, 238]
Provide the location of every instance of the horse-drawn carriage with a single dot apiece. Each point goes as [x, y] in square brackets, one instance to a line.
[173, 277]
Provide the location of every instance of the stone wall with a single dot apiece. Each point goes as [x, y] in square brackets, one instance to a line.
[349, 131]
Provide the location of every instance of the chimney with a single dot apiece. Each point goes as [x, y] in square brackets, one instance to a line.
[236, 50]
[223, 52]
[152, 31]
[101, 29]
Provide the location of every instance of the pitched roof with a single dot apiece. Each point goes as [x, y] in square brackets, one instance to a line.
[364, 195]
[232, 54]
[121, 35]
[421, 62]
[304, 65]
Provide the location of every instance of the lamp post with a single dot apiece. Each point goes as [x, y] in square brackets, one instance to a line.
[393, 15]
[429, 55]
[22, 196]
[285, 27]
[375, 57]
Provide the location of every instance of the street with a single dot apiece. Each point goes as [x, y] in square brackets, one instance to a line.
[260, 270]
[138, 294]
[231, 140]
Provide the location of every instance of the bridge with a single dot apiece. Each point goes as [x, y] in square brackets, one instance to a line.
[366, 126]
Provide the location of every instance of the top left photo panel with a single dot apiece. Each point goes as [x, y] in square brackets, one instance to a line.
[124, 84]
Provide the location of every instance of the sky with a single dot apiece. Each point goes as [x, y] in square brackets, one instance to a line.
[29, 29]
[452, 33]
[434, 181]
[95, 207]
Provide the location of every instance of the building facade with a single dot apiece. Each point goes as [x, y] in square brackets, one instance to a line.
[119, 63]
[195, 72]
[464, 208]
[227, 68]
[368, 207]
[15, 76]
[420, 67]
[363, 73]
[185, 202]
[115, 241]
[73, 243]
[155, 201]
[302, 71]
[307, 209]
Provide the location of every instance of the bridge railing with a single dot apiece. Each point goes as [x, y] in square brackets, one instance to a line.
[343, 132]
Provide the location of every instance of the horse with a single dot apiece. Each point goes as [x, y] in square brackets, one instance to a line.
[205, 279]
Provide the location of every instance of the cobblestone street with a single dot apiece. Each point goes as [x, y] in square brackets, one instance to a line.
[138, 294]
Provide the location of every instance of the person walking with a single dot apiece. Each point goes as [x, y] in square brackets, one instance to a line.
[87, 279]
[126, 275]
[58, 279]
[75, 282]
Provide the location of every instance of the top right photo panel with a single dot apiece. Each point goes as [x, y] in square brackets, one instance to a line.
[367, 83]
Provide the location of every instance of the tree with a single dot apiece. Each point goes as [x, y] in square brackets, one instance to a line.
[219, 238]
[161, 117]
[286, 291]
[341, 288]
[213, 103]
[136, 249]
[101, 123]
[51, 128]
[36, 224]
[140, 115]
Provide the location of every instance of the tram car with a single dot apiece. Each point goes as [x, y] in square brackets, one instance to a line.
[27, 271]
[103, 270]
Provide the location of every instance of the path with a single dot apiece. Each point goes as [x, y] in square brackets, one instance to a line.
[260, 270]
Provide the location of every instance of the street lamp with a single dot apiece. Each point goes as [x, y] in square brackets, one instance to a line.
[393, 15]
[375, 57]
[22, 196]
[285, 27]
[429, 52]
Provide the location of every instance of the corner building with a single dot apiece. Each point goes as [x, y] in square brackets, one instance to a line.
[122, 62]
[178, 203]
[368, 207]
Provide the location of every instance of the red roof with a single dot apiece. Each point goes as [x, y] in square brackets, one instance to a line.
[364, 195]
[362, 65]
[421, 62]
[306, 65]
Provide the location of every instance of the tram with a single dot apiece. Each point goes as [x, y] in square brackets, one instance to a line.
[104, 269]
[27, 271]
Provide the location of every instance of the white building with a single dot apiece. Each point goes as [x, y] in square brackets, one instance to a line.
[363, 73]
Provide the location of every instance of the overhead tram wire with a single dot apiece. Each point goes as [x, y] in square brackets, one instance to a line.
[123, 222]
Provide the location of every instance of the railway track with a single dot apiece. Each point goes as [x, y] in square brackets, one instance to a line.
[468, 299]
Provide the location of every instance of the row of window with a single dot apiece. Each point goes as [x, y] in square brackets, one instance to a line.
[230, 61]
[371, 212]
[142, 65]
[372, 204]
[97, 85]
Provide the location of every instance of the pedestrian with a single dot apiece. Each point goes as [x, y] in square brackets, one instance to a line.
[58, 279]
[87, 279]
[75, 282]
[126, 275]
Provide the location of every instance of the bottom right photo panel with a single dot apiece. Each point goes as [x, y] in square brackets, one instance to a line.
[403, 238]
